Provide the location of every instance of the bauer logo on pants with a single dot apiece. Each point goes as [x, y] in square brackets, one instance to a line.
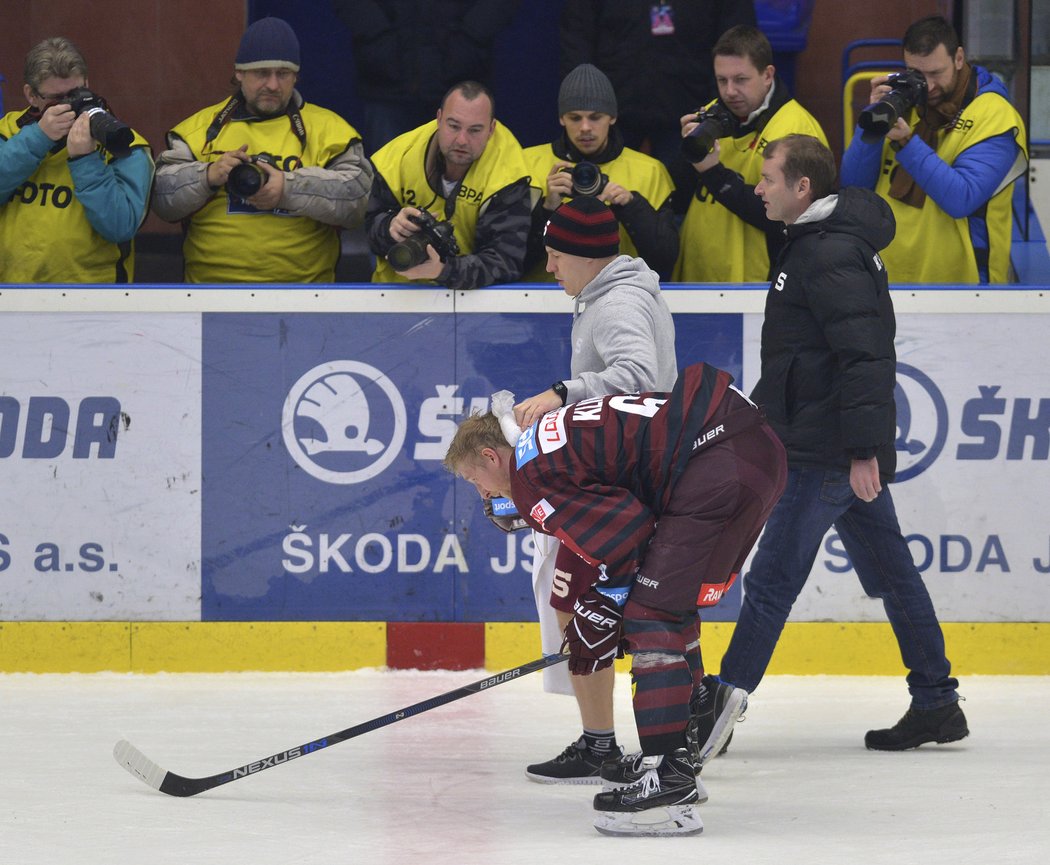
[327, 422]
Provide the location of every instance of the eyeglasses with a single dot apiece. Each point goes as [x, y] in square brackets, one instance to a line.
[56, 97]
[282, 73]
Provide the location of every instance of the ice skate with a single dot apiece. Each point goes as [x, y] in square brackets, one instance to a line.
[713, 710]
[627, 769]
[663, 802]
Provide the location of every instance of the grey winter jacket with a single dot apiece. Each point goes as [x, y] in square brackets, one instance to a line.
[334, 194]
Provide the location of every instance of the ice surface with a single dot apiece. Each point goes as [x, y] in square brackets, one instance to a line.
[447, 786]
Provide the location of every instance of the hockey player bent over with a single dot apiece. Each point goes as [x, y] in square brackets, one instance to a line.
[666, 493]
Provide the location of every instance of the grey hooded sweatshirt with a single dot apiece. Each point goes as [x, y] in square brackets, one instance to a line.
[622, 334]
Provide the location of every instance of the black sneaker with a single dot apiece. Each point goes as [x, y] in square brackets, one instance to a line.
[577, 764]
[715, 707]
[918, 726]
[628, 769]
[664, 801]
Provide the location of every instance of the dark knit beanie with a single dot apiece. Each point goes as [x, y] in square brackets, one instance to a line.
[585, 227]
[586, 88]
[269, 43]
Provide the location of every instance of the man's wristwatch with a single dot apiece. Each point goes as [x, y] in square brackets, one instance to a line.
[563, 392]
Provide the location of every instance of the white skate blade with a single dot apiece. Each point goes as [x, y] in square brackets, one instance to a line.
[701, 790]
[670, 820]
[736, 705]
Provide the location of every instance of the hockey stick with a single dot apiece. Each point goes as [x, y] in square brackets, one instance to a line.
[143, 768]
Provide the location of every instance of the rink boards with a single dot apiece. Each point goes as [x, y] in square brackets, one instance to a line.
[239, 457]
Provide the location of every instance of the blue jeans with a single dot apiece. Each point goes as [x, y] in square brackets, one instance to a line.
[815, 500]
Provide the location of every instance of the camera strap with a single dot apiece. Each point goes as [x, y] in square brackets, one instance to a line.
[237, 102]
[29, 116]
[931, 122]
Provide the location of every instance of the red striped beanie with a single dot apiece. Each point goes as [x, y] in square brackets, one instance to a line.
[584, 227]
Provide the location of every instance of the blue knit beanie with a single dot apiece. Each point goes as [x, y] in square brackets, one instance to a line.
[269, 43]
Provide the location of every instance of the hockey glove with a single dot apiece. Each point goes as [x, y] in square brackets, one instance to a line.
[593, 634]
[504, 515]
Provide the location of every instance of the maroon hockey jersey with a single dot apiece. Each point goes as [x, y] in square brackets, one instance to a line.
[597, 474]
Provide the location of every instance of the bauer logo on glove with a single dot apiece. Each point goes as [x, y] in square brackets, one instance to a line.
[592, 636]
[503, 514]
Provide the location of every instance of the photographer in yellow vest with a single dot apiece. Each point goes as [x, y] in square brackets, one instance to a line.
[74, 180]
[726, 236]
[451, 199]
[943, 146]
[263, 181]
[589, 158]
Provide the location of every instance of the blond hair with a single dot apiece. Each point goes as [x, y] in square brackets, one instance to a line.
[56, 57]
[477, 432]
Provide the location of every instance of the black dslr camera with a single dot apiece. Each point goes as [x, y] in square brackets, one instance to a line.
[413, 249]
[115, 136]
[713, 122]
[587, 178]
[909, 91]
[247, 178]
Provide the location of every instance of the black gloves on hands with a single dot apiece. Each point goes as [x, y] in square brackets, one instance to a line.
[593, 634]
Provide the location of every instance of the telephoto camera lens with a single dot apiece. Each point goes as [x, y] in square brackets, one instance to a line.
[245, 180]
[408, 253]
[713, 123]
[878, 119]
[908, 91]
[115, 136]
[248, 178]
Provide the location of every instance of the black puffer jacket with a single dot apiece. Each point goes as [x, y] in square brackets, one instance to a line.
[828, 361]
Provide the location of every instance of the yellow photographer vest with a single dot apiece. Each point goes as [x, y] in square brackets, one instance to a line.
[633, 170]
[228, 240]
[930, 245]
[45, 235]
[402, 163]
[717, 245]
